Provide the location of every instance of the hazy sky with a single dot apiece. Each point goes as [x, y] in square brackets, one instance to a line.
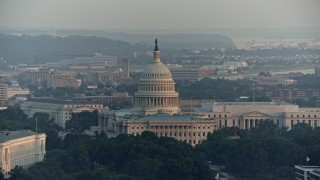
[164, 14]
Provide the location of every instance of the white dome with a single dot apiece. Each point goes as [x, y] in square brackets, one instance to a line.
[156, 90]
[156, 71]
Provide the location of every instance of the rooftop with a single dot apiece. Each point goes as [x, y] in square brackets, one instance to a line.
[10, 135]
[251, 103]
[60, 101]
[165, 117]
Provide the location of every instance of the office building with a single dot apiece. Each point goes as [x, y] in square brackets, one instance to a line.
[20, 148]
[3, 92]
[60, 110]
[246, 115]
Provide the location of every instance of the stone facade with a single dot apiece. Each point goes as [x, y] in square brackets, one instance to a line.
[156, 90]
[188, 128]
[60, 110]
[247, 115]
[3, 92]
[20, 148]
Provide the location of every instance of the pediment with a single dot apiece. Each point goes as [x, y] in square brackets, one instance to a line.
[83, 108]
[255, 114]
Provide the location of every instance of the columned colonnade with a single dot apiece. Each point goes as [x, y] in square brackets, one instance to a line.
[157, 101]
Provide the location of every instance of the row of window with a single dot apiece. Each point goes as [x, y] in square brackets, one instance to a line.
[203, 134]
[156, 88]
[315, 124]
[214, 115]
[82, 105]
[171, 127]
[245, 120]
[156, 75]
[309, 116]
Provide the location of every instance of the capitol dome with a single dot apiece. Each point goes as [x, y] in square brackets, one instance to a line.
[156, 71]
[156, 90]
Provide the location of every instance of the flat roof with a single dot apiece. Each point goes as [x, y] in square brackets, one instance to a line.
[251, 103]
[10, 135]
[60, 101]
[164, 117]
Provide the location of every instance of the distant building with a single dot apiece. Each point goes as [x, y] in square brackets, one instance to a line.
[182, 127]
[126, 68]
[3, 92]
[96, 62]
[287, 82]
[156, 109]
[12, 91]
[103, 76]
[237, 64]
[62, 79]
[60, 110]
[181, 74]
[273, 81]
[290, 94]
[37, 75]
[115, 97]
[306, 172]
[106, 123]
[247, 115]
[20, 148]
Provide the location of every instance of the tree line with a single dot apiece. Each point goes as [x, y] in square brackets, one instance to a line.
[264, 152]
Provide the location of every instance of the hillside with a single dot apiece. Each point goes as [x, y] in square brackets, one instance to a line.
[40, 49]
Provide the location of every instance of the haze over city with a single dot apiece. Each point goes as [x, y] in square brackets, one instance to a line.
[160, 89]
[164, 14]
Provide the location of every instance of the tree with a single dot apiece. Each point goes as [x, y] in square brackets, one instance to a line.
[82, 121]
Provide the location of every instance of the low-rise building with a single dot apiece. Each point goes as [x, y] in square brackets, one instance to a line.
[37, 75]
[3, 92]
[60, 110]
[181, 74]
[62, 79]
[287, 82]
[12, 91]
[182, 127]
[290, 94]
[114, 98]
[247, 115]
[20, 148]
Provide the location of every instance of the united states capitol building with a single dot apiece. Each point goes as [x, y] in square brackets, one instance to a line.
[156, 109]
